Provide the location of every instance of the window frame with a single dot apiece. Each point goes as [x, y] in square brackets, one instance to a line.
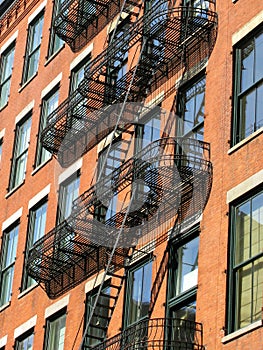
[4, 266]
[238, 93]
[13, 181]
[60, 316]
[30, 50]
[10, 50]
[232, 290]
[30, 239]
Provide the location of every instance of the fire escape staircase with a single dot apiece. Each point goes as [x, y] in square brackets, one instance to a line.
[186, 39]
[77, 248]
[176, 172]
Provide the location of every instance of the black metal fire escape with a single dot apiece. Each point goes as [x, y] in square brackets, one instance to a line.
[176, 173]
[84, 118]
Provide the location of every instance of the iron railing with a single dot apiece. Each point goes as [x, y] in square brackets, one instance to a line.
[157, 333]
[177, 39]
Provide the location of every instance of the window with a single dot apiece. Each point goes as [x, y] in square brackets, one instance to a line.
[49, 104]
[36, 230]
[190, 110]
[25, 342]
[6, 68]
[55, 331]
[8, 255]
[248, 94]
[33, 48]
[138, 295]
[246, 262]
[182, 282]
[100, 316]
[68, 192]
[55, 43]
[19, 161]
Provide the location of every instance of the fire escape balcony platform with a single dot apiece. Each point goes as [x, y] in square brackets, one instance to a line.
[79, 21]
[186, 37]
[171, 177]
[62, 259]
[157, 333]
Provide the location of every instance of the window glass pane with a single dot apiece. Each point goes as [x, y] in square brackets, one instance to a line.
[37, 225]
[10, 242]
[56, 333]
[151, 131]
[247, 280]
[36, 33]
[244, 296]
[8, 254]
[257, 225]
[247, 65]
[67, 194]
[242, 238]
[259, 106]
[23, 136]
[33, 63]
[7, 64]
[55, 42]
[257, 290]
[186, 312]
[191, 111]
[6, 288]
[259, 57]
[247, 106]
[49, 104]
[25, 344]
[187, 272]
[6, 67]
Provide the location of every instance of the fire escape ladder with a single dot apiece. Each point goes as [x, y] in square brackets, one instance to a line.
[107, 301]
[111, 265]
[157, 283]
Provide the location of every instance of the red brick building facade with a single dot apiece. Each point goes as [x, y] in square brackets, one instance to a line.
[175, 169]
